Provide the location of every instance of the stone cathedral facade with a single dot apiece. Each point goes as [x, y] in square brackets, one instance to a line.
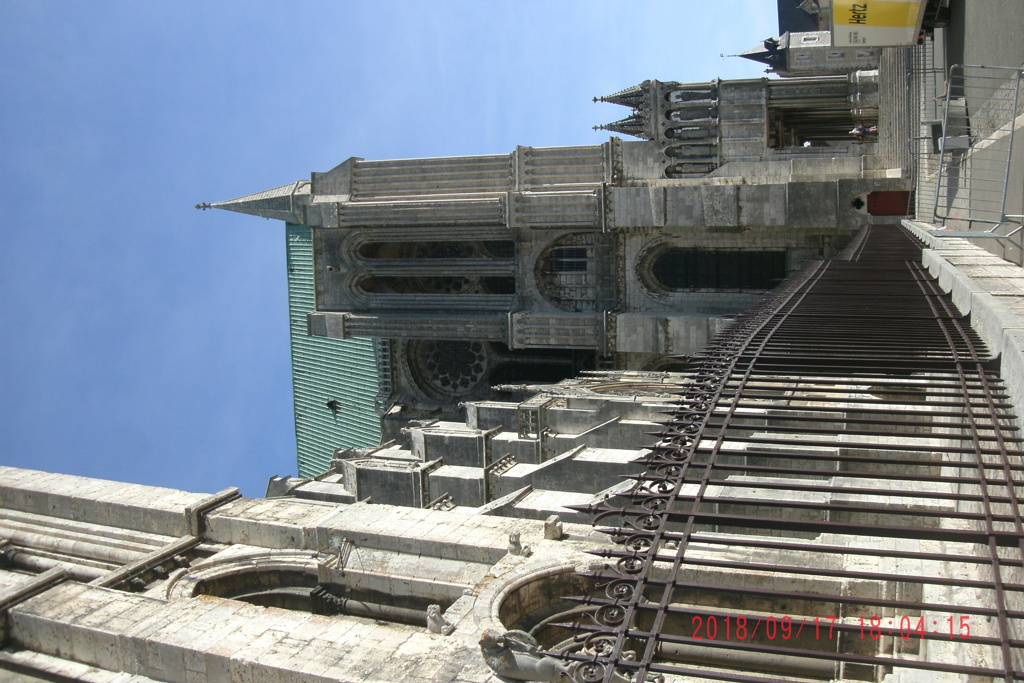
[536, 304]
[531, 266]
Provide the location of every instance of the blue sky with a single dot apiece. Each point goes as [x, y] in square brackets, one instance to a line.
[145, 341]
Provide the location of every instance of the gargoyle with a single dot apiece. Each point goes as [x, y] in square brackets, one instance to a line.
[516, 655]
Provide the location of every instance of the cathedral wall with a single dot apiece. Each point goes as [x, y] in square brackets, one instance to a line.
[10, 580]
[676, 334]
[292, 523]
[97, 501]
[489, 414]
[475, 210]
[541, 167]
[742, 119]
[465, 485]
[456, 443]
[639, 160]
[544, 210]
[446, 175]
[219, 640]
[559, 331]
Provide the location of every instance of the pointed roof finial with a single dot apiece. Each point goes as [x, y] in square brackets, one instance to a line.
[635, 96]
[203, 206]
[281, 203]
[769, 52]
[635, 125]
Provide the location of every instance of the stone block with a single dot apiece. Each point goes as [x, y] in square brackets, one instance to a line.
[641, 160]
[464, 484]
[762, 205]
[637, 206]
[721, 205]
[953, 280]
[811, 204]
[638, 332]
[684, 206]
[462, 447]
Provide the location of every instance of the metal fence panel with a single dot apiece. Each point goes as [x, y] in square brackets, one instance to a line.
[974, 143]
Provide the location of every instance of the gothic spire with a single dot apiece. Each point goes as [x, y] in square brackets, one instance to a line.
[635, 96]
[278, 203]
[635, 125]
[769, 52]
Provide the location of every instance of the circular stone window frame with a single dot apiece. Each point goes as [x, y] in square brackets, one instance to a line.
[187, 585]
[519, 578]
[426, 382]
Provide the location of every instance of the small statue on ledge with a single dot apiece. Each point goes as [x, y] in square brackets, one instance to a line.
[436, 623]
[515, 546]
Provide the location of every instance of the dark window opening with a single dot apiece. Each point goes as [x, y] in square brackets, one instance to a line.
[451, 284]
[498, 249]
[539, 365]
[682, 269]
[500, 285]
[570, 260]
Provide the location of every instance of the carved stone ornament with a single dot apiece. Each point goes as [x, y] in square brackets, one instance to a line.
[516, 655]
[515, 546]
[553, 528]
[436, 623]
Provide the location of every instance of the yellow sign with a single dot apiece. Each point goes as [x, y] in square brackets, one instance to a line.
[875, 22]
[892, 13]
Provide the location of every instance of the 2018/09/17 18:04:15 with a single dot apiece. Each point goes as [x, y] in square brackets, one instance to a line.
[710, 627]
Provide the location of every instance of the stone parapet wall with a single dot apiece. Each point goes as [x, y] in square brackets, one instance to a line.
[149, 509]
[985, 287]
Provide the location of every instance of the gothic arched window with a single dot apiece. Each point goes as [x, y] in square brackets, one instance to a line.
[677, 269]
[566, 273]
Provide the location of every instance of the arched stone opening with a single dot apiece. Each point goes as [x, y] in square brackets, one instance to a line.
[304, 582]
[684, 170]
[287, 588]
[680, 269]
[536, 604]
[707, 132]
[693, 111]
[691, 626]
[692, 93]
[566, 273]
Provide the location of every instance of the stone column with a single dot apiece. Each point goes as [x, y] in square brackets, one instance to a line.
[436, 267]
[482, 327]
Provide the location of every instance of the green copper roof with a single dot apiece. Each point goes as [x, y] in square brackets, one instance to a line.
[327, 370]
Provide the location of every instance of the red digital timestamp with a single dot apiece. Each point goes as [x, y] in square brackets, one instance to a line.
[785, 627]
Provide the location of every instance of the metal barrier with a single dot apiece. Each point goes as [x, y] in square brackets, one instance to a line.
[925, 84]
[973, 145]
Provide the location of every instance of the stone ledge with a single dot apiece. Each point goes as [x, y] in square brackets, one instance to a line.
[993, 298]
